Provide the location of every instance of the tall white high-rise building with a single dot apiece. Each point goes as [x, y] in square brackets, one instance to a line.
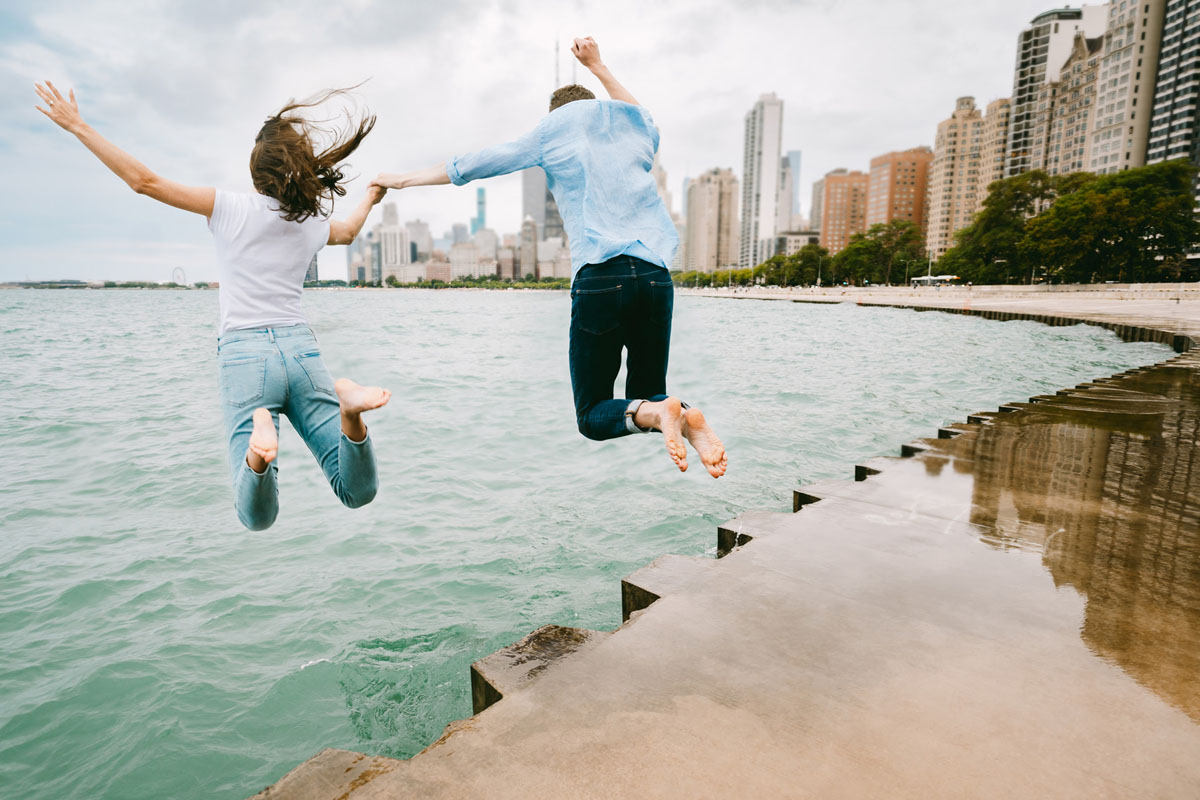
[1125, 96]
[761, 172]
[660, 180]
[1042, 49]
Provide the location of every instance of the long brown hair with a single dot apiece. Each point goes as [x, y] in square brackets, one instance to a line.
[284, 165]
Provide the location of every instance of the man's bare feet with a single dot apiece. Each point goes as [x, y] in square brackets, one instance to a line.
[666, 416]
[355, 399]
[264, 441]
[712, 452]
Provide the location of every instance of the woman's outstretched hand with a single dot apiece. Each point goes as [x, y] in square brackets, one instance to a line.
[375, 193]
[64, 111]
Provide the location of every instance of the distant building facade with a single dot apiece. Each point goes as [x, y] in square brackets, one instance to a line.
[843, 208]
[964, 158]
[1042, 48]
[1129, 68]
[1062, 121]
[712, 224]
[897, 187]
[761, 172]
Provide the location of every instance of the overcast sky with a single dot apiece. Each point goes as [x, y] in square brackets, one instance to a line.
[185, 86]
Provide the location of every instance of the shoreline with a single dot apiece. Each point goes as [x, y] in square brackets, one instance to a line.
[883, 633]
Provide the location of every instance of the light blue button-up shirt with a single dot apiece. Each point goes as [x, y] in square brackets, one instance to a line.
[597, 156]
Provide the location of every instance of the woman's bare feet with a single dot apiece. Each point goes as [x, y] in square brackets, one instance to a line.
[712, 452]
[666, 416]
[354, 400]
[264, 441]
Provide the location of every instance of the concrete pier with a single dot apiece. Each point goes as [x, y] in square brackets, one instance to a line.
[1009, 607]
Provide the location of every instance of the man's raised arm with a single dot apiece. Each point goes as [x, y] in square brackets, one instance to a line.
[588, 53]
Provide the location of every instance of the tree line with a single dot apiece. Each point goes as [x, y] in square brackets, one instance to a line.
[1129, 227]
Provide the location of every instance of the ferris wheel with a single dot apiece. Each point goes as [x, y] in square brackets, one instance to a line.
[179, 277]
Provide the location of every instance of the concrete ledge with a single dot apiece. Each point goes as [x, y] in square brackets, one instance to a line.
[515, 666]
[328, 775]
[664, 575]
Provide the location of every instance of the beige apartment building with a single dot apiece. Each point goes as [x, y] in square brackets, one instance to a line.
[897, 187]
[996, 118]
[965, 157]
[1126, 85]
[712, 221]
[1062, 122]
[843, 208]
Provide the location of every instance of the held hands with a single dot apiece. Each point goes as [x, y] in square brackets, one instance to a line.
[385, 181]
[375, 193]
[587, 51]
[64, 112]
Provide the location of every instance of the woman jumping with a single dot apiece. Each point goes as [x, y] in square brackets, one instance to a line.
[266, 354]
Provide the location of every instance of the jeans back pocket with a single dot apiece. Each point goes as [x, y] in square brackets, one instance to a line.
[317, 373]
[243, 380]
[596, 311]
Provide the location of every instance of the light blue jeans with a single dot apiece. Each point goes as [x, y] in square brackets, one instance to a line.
[280, 369]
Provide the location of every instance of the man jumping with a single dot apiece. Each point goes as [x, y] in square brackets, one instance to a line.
[597, 156]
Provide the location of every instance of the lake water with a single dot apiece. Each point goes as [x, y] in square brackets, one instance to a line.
[150, 647]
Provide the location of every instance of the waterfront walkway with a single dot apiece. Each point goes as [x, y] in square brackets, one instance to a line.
[1012, 608]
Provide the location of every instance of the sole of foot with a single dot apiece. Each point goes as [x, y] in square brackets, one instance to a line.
[355, 399]
[710, 448]
[671, 424]
[264, 440]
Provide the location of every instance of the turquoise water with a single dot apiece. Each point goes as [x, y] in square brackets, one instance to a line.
[150, 647]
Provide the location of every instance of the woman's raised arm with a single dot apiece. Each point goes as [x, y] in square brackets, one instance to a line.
[65, 113]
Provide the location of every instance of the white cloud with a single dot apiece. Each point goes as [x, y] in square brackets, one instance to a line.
[184, 87]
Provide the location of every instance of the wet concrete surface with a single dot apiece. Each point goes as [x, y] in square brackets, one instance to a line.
[1010, 610]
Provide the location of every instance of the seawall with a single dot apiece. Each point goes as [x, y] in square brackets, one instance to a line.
[1009, 607]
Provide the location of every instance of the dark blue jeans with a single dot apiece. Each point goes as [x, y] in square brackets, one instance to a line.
[624, 303]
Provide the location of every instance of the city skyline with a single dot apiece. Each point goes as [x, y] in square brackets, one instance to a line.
[147, 100]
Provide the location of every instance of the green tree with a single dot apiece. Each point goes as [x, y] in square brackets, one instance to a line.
[391, 281]
[1129, 226]
[873, 256]
[988, 250]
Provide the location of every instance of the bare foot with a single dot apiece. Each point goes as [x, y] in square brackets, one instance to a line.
[666, 416]
[712, 452]
[264, 441]
[356, 399]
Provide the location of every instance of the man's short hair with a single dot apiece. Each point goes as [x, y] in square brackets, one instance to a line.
[569, 94]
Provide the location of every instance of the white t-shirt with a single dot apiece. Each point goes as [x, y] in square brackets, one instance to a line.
[261, 260]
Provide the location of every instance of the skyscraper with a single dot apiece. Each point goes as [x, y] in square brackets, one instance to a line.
[818, 199]
[760, 180]
[420, 238]
[1042, 48]
[480, 219]
[310, 274]
[996, 120]
[843, 208]
[965, 156]
[897, 185]
[458, 233]
[1174, 127]
[538, 203]
[793, 160]
[527, 253]
[1063, 115]
[712, 221]
[1129, 66]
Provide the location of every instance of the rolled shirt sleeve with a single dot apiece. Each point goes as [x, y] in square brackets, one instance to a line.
[500, 159]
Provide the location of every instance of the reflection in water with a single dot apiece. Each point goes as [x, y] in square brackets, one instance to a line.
[1118, 519]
